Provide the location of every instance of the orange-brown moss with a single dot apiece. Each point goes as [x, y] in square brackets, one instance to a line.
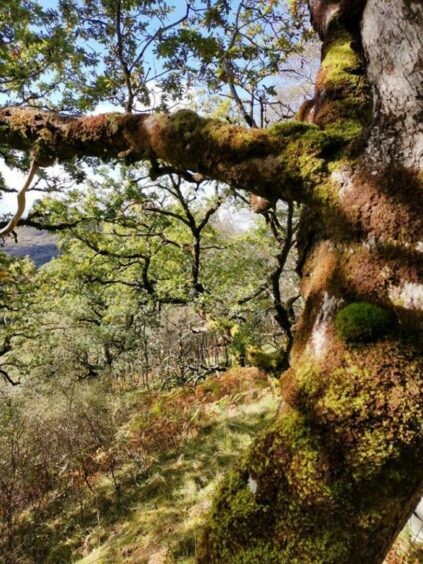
[164, 420]
[320, 267]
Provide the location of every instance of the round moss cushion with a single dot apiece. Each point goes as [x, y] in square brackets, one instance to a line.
[361, 321]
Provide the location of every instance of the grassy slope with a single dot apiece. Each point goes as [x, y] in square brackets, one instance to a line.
[158, 515]
[171, 450]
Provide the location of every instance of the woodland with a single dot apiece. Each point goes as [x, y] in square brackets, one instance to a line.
[222, 359]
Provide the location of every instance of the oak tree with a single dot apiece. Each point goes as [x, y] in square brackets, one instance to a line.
[338, 473]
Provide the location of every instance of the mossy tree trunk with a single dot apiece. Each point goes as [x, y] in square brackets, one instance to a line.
[340, 470]
[336, 476]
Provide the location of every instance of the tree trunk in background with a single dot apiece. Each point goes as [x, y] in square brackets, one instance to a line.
[340, 470]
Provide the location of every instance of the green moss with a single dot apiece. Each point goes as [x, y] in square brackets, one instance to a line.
[268, 361]
[342, 109]
[332, 469]
[347, 98]
[301, 453]
[300, 137]
[295, 129]
[304, 158]
[346, 129]
[115, 122]
[363, 322]
[339, 398]
[342, 70]
[374, 398]
[246, 526]
[302, 152]
[306, 379]
[301, 146]
[185, 120]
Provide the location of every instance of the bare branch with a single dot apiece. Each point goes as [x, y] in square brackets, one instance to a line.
[21, 199]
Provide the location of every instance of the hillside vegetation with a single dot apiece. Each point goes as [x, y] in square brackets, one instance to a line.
[40, 246]
[110, 473]
[128, 475]
[211, 333]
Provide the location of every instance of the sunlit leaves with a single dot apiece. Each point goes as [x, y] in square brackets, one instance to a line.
[136, 55]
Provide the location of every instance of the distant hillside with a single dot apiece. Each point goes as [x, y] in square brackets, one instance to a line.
[39, 245]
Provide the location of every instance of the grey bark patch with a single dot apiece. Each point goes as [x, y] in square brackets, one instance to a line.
[392, 35]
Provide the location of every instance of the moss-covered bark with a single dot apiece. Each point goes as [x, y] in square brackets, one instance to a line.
[286, 161]
[338, 473]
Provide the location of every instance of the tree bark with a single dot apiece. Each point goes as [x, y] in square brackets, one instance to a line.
[339, 472]
[264, 162]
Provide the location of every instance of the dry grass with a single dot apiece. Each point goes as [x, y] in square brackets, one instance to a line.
[181, 444]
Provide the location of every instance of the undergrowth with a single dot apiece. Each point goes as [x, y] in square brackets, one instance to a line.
[146, 492]
[127, 475]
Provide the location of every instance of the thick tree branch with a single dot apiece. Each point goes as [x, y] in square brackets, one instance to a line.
[269, 163]
[286, 241]
[120, 52]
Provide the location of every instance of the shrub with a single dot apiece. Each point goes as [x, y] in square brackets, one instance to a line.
[272, 361]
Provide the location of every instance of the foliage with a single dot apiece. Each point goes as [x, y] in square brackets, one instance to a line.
[33, 50]
[151, 288]
[137, 243]
[77, 53]
[152, 280]
[267, 359]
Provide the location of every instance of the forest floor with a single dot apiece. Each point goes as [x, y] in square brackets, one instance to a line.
[147, 494]
[156, 516]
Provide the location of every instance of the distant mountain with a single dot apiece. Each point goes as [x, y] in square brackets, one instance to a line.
[40, 246]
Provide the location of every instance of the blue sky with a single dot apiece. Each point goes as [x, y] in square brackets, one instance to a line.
[13, 177]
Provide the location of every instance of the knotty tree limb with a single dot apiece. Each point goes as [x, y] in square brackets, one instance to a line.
[268, 163]
[21, 199]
